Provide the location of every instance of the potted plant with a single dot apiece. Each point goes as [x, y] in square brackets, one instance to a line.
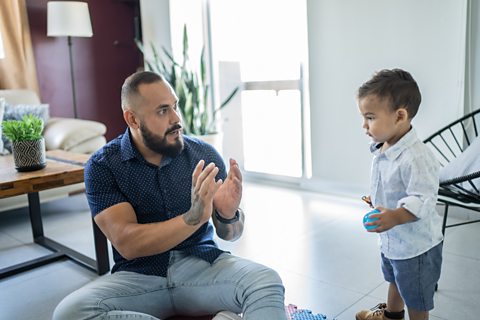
[28, 145]
[191, 88]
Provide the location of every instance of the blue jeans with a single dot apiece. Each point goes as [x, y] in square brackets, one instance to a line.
[192, 287]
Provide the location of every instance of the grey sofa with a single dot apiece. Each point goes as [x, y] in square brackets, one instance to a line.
[76, 135]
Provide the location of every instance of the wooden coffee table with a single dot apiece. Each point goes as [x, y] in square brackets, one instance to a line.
[63, 168]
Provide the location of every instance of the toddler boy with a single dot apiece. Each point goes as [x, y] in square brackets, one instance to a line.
[404, 186]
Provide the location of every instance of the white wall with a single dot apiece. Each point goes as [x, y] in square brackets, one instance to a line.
[348, 41]
[155, 16]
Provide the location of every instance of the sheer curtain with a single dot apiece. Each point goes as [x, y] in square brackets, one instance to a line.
[17, 69]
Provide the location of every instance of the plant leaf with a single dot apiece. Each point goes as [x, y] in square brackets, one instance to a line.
[29, 128]
[227, 100]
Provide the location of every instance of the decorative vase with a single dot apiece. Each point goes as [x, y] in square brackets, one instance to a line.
[29, 155]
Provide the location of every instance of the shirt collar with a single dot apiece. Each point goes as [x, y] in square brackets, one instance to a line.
[128, 150]
[394, 151]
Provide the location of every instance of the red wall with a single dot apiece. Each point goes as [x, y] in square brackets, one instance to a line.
[101, 63]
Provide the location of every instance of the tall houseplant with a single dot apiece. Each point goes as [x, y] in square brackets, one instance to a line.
[28, 145]
[191, 88]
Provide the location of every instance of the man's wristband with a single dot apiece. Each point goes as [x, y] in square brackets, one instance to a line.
[227, 221]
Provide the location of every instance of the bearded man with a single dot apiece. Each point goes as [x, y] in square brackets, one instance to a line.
[153, 191]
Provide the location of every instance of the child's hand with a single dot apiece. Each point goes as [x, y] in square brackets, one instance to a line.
[387, 219]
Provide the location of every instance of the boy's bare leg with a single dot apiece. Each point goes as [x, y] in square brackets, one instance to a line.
[417, 315]
[395, 302]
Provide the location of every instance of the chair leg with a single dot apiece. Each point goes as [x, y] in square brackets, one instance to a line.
[444, 226]
[445, 214]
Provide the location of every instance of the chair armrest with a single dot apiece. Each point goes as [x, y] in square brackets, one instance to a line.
[469, 177]
[464, 189]
[67, 134]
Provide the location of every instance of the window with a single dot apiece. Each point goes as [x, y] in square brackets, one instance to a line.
[268, 39]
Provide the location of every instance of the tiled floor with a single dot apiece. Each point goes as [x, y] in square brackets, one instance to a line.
[328, 263]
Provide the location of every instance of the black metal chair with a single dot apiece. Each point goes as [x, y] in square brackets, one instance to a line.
[447, 144]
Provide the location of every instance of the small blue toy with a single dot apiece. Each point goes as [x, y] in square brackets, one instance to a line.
[367, 218]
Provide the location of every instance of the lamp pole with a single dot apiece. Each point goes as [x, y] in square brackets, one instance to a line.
[70, 19]
[74, 95]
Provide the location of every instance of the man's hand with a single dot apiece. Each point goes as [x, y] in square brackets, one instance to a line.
[228, 197]
[204, 188]
[387, 219]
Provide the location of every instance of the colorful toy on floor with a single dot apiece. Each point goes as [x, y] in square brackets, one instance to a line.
[293, 313]
[367, 218]
[191, 318]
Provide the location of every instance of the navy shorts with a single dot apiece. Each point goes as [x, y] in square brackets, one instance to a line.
[415, 278]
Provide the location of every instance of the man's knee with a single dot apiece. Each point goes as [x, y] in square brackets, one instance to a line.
[264, 296]
[271, 276]
[74, 306]
[264, 278]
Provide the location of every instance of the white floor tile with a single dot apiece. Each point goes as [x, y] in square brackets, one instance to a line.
[327, 261]
[35, 294]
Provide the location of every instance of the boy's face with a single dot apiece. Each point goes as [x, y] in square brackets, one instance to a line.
[381, 123]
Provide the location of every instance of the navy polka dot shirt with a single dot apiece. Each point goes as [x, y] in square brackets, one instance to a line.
[118, 173]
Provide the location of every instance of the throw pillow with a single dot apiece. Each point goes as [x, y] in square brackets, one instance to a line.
[16, 112]
[466, 163]
[2, 110]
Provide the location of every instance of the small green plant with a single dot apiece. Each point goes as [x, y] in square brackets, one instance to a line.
[28, 129]
[191, 88]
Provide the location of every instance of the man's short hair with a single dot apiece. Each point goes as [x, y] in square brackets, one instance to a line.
[396, 85]
[130, 93]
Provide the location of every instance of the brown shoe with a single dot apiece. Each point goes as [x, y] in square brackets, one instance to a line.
[376, 313]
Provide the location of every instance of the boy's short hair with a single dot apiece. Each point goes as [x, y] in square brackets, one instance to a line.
[396, 85]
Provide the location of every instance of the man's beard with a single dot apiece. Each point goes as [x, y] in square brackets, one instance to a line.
[161, 145]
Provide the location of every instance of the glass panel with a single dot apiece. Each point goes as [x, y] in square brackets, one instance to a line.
[272, 135]
[268, 39]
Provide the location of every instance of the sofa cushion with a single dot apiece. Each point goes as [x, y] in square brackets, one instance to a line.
[466, 163]
[66, 133]
[16, 112]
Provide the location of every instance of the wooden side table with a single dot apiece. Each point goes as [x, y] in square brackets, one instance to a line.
[63, 168]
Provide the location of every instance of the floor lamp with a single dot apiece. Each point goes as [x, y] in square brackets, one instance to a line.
[69, 19]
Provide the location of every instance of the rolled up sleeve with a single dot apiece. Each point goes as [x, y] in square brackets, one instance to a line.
[422, 186]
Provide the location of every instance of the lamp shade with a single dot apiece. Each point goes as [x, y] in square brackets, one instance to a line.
[68, 18]
[2, 51]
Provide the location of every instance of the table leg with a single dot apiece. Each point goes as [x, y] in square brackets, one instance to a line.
[101, 265]
[35, 215]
